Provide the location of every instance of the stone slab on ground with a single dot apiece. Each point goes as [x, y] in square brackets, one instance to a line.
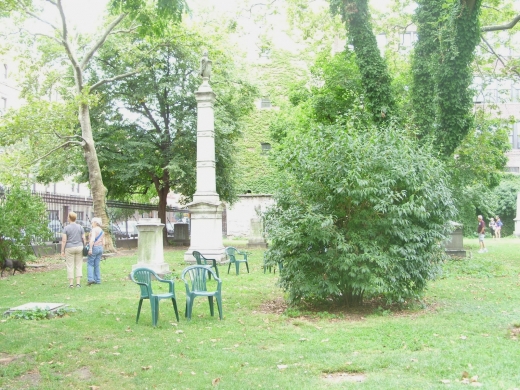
[35, 265]
[31, 306]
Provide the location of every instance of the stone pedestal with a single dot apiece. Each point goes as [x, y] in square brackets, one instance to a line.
[206, 208]
[257, 239]
[454, 245]
[206, 231]
[150, 246]
[516, 233]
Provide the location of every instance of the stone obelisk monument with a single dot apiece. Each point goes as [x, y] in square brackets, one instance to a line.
[206, 208]
[516, 233]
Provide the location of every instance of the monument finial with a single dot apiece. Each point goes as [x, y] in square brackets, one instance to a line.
[205, 66]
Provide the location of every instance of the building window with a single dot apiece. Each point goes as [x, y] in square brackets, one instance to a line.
[265, 103]
[512, 169]
[4, 72]
[3, 103]
[79, 215]
[266, 147]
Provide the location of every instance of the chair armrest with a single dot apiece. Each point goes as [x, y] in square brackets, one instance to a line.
[170, 282]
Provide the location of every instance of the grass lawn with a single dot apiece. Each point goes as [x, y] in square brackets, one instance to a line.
[468, 325]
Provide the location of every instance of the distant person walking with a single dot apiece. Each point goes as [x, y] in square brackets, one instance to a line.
[97, 241]
[72, 241]
[498, 227]
[481, 230]
[492, 226]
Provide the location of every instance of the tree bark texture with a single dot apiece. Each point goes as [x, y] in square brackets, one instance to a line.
[97, 187]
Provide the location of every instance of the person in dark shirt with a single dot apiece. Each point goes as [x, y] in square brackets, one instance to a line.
[481, 230]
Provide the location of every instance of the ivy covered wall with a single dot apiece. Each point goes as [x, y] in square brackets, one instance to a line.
[255, 171]
[273, 76]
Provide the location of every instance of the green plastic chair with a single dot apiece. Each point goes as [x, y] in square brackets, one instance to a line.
[232, 253]
[143, 277]
[271, 267]
[201, 260]
[194, 278]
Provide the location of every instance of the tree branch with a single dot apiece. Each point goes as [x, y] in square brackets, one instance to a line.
[65, 42]
[56, 148]
[101, 40]
[70, 137]
[151, 118]
[35, 16]
[500, 27]
[42, 35]
[111, 79]
[498, 56]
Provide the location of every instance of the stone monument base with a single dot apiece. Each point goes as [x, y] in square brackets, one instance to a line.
[259, 243]
[206, 231]
[456, 253]
[150, 246]
[158, 268]
[218, 254]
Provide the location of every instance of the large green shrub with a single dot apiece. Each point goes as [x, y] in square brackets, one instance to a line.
[504, 197]
[359, 214]
[23, 218]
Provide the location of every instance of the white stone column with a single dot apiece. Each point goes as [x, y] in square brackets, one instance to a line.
[206, 208]
[150, 252]
[516, 233]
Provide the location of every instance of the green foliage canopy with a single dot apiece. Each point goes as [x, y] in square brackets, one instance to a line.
[359, 214]
[375, 76]
[23, 218]
[448, 34]
[147, 122]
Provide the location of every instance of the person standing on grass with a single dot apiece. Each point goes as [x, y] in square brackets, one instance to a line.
[492, 226]
[72, 242]
[498, 227]
[481, 230]
[97, 241]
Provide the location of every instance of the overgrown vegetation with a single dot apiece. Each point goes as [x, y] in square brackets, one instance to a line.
[40, 313]
[359, 214]
[23, 219]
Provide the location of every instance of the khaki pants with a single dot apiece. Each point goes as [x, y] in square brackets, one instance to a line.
[74, 261]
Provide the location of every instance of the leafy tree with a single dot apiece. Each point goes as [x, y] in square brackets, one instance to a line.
[477, 167]
[442, 70]
[35, 127]
[154, 144]
[375, 76]
[78, 54]
[23, 218]
[359, 214]
[504, 198]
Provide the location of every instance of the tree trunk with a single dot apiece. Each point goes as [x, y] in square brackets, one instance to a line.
[94, 172]
[162, 186]
[163, 197]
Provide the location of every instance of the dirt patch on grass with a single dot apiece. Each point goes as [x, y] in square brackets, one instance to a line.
[333, 312]
[515, 332]
[273, 306]
[30, 380]
[340, 377]
[83, 374]
[5, 358]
